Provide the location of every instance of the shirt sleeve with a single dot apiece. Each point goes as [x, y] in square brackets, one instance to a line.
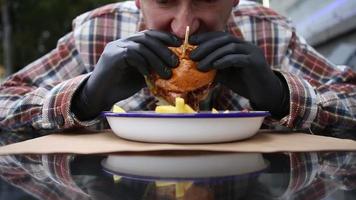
[41, 176]
[317, 175]
[322, 95]
[38, 97]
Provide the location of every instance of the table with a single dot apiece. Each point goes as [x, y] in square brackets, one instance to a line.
[301, 175]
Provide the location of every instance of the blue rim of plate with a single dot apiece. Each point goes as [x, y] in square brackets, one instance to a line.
[152, 114]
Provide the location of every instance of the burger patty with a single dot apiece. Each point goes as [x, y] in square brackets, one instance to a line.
[186, 82]
[192, 98]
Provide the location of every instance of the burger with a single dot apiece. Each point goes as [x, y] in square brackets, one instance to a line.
[187, 81]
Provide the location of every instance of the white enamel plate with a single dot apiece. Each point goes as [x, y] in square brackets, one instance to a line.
[203, 127]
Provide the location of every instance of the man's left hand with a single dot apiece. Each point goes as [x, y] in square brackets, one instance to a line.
[243, 68]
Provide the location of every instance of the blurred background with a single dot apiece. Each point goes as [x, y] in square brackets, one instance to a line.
[328, 25]
[31, 28]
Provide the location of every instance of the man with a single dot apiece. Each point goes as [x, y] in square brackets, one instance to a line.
[262, 65]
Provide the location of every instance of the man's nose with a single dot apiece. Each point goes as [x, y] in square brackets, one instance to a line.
[182, 20]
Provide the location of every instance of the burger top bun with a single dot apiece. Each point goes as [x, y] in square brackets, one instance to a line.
[185, 77]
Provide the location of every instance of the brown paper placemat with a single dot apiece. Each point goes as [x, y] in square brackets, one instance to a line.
[108, 142]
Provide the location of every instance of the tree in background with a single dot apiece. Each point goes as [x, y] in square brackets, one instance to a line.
[6, 38]
[31, 28]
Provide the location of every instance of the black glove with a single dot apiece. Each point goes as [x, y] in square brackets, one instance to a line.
[242, 67]
[120, 69]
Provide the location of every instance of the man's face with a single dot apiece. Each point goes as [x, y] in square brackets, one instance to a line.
[175, 15]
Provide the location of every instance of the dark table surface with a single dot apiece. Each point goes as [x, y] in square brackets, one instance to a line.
[313, 175]
[177, 175]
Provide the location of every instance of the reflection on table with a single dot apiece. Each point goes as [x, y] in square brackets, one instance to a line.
[179, 175]
[313, 175]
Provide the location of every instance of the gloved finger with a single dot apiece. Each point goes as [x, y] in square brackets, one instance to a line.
[207, 47]
[167, 38]
[157, 47]
[137, 61]
[228, 78]
[223, 76]
[232, 60]
[197, 39]
[228, 49]
[154, 62]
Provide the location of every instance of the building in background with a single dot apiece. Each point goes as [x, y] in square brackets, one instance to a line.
[328, 25]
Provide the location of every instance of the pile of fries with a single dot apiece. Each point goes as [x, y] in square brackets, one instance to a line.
[179, 107]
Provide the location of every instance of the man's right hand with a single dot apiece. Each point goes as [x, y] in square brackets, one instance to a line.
[120, 69]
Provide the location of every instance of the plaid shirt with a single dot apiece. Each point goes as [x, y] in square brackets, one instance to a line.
[37, 99]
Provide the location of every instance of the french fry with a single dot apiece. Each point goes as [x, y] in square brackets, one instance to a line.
[117, 109]
[180, 105]
[214, 110]
[189, 109]
[166, 109]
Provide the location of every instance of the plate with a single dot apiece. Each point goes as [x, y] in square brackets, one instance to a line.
[185, 165]
[203, 127]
